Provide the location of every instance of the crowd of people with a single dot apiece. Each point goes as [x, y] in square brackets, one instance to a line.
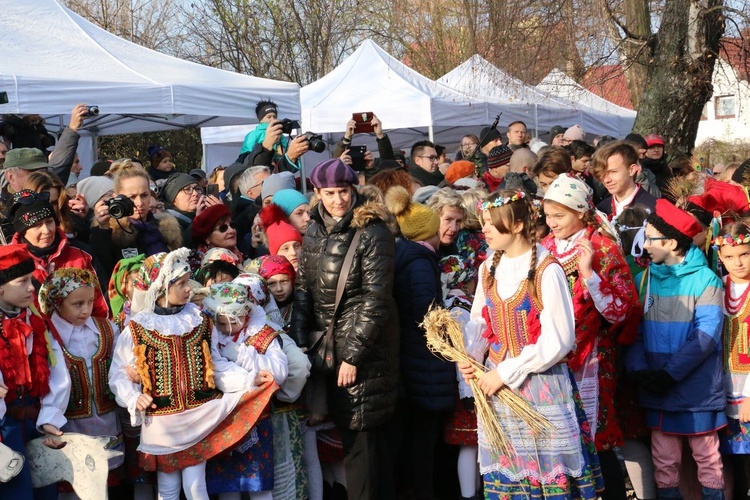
[238, 337]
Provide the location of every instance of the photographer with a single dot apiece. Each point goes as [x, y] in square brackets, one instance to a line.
[127, 222]
[270, 144]
[385, 149]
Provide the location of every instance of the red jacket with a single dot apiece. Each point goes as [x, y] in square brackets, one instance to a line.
[66, 255]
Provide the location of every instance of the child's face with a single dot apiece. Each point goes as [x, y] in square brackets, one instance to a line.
[268, 118]
[18, 292]
[127, 286]
[292, 250]
[179, 291]
[77, 306]
[281, 286]
[220, 278]
[659, 248]
[229, 327]
[495, 239]
[736, 261]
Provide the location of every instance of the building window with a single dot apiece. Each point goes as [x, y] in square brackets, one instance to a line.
[724, 107]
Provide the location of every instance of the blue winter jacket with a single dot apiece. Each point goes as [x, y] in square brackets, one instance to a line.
[429, 381]
[681, 333]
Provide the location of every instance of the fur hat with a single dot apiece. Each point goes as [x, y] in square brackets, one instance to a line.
[277, 227]
[417, 222]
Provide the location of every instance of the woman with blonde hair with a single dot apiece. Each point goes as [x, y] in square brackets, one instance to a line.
[137, 231]
[470, 242]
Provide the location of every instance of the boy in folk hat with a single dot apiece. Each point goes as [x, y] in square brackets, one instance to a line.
[34, 382]
[677, 359]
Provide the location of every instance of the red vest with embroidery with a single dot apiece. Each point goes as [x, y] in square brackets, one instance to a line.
[176, 370]
[514, 322]
[79, 404]
[262, 340]
[24, 374]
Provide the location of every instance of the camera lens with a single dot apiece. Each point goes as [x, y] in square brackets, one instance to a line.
[93, 111]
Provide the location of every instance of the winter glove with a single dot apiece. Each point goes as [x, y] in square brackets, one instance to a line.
[468, 404]
[660, 381]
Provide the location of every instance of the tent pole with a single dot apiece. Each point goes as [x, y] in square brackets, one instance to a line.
[431, 133]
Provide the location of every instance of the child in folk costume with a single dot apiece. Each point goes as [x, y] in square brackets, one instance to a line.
[677, 358]
[457, 276]
[67, 298]
[605, 305]
[191, 402]
[246, 338]
[35, 385]
[523, 307]
[120, 289]
[734, 251]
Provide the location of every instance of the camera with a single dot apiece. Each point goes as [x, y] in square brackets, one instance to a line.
[120, 206]
[92, 111]
[315, 142]
[288, 125]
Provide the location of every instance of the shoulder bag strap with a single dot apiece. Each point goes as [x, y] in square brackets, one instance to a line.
[341, 283]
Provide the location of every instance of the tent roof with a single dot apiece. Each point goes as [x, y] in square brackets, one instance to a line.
[560, 85]
[478, 77]
[55, 59]
[372, 80]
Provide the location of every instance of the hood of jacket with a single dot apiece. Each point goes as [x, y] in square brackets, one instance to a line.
[694, 262]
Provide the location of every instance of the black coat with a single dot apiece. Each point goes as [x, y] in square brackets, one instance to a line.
[366, 328]
[429, 381]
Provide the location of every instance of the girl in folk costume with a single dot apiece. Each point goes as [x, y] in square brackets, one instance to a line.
[279, 275]
[191, 402]
[523, 307]
[734, 252]
[34, 383]
[120, 288]
[605, 305]
[67, 298]
[457, 276]
[246, 338]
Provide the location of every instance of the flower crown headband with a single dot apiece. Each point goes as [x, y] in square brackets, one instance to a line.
[740, 239]
[499, 202]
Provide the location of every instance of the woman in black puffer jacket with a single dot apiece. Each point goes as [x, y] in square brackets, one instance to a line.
[362, 394]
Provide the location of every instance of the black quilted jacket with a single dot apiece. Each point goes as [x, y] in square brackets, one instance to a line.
[366, 329]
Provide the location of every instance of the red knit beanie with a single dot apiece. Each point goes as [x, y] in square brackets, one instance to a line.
[204, 223]
[277, 227]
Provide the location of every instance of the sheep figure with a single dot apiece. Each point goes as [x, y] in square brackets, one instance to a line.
[82, 462]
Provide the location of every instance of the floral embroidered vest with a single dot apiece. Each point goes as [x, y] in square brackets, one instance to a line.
[79, 404]
[176, 370]
[737, 341]
[262, 340]
[514, 321]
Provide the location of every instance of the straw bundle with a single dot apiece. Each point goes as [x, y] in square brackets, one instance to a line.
[445, 339]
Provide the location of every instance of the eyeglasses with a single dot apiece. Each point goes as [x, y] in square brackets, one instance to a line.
[225, 227]
[650, 239]
[192, 189]
[433, 159]
[27, 197]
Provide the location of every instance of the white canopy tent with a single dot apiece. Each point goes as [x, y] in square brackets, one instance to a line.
[53, 59]
[560, 86]
[478, 77]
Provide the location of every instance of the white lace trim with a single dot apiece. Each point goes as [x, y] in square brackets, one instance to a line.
[171, 324]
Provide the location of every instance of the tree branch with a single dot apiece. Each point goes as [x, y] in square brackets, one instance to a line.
[628, 34]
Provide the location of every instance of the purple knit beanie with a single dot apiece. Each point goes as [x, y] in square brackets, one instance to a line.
[333, 173]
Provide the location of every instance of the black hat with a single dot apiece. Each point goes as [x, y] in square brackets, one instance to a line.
[101, 167]
[174, 184]
[488, 135]
[555, 131]
[29, 208]
[198, 173]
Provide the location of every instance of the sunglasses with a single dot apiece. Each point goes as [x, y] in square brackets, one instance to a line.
[225, 227]
[27, 197]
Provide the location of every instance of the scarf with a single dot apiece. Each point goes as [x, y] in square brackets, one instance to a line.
[149, 235]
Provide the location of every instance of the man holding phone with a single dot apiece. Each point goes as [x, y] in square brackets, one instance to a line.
[385, 149]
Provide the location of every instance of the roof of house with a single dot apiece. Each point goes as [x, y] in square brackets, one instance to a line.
[609, 81]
